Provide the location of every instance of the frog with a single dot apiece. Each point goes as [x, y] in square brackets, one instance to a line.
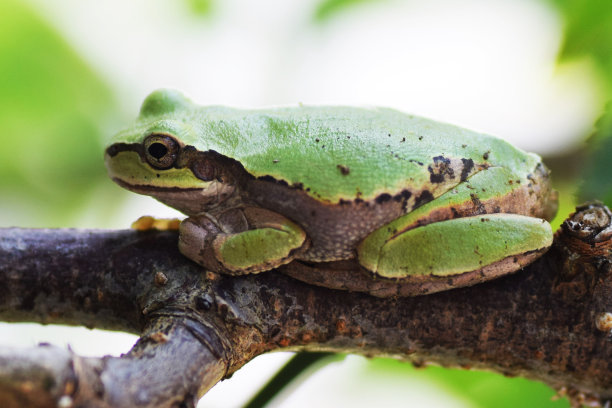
[366, 199]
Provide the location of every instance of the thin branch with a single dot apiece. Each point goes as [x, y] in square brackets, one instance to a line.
[294, 368]
[547, 322]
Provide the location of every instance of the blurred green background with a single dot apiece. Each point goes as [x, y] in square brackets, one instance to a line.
[536, 72]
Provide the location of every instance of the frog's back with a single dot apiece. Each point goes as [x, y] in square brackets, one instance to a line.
[333, 153]
[348, 153]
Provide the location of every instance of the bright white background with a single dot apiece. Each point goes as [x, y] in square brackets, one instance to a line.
[489, 65]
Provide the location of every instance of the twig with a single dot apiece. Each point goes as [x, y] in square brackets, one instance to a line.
[548, 322]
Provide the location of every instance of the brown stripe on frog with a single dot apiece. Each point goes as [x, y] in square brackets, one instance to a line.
[444, 174]
[534, 199]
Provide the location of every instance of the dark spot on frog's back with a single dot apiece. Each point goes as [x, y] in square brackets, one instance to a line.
[383, 198]
[343, 169]
[423, 198]
[440, 169]
[468, 165]
[403, 196]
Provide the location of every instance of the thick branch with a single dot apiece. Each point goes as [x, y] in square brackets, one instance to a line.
[546, 322]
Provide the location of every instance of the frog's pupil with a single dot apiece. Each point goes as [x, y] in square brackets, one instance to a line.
[158, 150]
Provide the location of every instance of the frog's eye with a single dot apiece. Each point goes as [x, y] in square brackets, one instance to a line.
[161, 151]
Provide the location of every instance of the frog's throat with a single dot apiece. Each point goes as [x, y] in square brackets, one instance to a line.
[190, 201]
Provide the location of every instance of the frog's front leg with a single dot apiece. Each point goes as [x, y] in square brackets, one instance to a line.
[241, 240]
[459, 243]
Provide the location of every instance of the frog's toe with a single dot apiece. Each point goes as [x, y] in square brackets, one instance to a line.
[147, 222]
[195, 242]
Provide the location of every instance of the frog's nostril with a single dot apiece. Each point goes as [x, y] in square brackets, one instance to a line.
[112, 150]
[158, 150]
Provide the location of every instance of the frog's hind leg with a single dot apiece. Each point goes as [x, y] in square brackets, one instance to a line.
[463, 231]
[457, 246]
[249, 240]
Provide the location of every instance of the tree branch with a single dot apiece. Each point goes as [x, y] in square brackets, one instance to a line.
[547, 322]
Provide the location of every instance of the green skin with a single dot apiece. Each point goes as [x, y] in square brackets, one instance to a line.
[405, 196]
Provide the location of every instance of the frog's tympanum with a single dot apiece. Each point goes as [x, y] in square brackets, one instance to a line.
[405, 198]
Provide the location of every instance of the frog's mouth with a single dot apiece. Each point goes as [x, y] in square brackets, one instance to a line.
[148, 189]
[128, 169]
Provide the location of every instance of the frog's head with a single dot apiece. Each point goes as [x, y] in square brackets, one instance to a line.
[156, 157]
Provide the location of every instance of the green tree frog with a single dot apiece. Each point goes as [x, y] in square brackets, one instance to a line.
[406, 198]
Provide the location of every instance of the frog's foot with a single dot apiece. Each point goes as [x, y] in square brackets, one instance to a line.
[455, 247]
[147, 222]
[241, 241]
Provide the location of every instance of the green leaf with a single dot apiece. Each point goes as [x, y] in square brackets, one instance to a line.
[480, 388]
[201, 8]
[329, 8]
[597, 175]
[52, 110]
[588, 33]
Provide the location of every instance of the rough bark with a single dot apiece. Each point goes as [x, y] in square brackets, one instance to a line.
[551, 321]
